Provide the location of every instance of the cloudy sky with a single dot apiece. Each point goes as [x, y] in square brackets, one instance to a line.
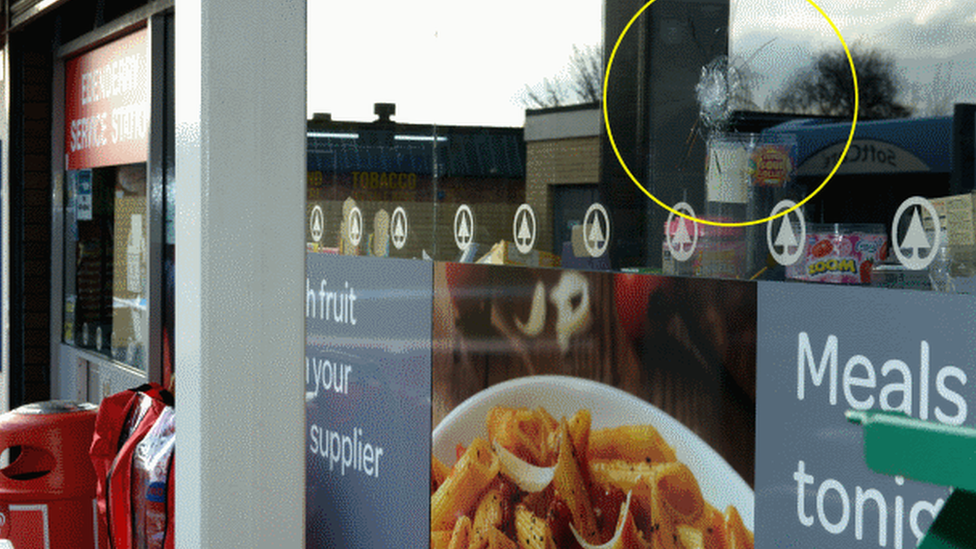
[933, 42]
[465, 62]
[440, 61]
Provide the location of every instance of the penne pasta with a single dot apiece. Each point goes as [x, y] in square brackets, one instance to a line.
[677, 491]
[633, 443]
[438, 473]
[525, 433]
[630, 536]
[623, 474]
[575, 481]
[739, 536]
[579, 432]
[489, 513]
[461, 490]
[532, 532]
[440, 539]
[461, 536]
[570, 485]
[493, 538]
[712, 524]
[690, 537]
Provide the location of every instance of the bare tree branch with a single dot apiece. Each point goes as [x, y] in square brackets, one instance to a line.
[531, 98]
[582, 84]
[935, 96]
[587, 72]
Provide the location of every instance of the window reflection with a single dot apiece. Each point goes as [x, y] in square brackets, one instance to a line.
[716, 105]
[105, 261]
[392, 189]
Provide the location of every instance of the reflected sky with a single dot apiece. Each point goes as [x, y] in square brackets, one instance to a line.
[933, 42]
[464, 62]
[440, 61]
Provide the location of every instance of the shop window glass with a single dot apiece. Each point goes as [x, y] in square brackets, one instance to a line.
[700, 108]
[105, 261]
[793, 81]
[107, 100]
[435, 164]
[525, 213]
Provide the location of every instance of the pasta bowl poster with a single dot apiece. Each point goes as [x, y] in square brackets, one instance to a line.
[587, 409]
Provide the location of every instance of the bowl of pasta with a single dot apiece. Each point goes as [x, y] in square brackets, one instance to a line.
[564, 462]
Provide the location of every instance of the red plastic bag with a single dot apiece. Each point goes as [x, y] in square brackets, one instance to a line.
[123, 423]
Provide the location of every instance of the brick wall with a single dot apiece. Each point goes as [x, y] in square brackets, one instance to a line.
[30, 189]
[557, 162]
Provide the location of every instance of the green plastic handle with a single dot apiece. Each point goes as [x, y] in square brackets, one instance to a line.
[896, 444]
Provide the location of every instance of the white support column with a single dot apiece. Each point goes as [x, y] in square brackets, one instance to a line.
[240, 256]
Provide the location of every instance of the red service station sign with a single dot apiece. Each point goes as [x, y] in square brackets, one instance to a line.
[107, 104]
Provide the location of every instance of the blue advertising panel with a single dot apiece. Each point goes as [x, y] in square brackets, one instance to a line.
[368, 413]
[823, 350]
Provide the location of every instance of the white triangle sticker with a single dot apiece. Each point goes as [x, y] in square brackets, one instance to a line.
[596, 234]
[681, 236]
[524, 232]
[398, 229]
[463, 230]
[915, 237]
[786, 237]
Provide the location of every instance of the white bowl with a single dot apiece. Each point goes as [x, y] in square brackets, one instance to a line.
[609, 407]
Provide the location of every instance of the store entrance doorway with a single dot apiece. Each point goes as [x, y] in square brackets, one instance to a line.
[569, 204]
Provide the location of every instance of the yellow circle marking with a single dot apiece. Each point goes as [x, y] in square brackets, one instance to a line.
[850, 137]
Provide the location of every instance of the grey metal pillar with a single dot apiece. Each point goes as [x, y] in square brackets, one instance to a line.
[240, 176]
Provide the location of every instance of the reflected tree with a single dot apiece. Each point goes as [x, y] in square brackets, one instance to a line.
[937, 95]
[826, 86]
[582, 83]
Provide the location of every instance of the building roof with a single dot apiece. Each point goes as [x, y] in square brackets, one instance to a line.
[583, 120]
[928, 139]
[462, 151]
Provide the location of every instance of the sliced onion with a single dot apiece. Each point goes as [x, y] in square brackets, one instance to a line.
[537, 315]
[528, 477]
[621, 522]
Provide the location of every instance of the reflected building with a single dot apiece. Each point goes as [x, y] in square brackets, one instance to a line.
[653, 112]
[428, 170]
[562, 177]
